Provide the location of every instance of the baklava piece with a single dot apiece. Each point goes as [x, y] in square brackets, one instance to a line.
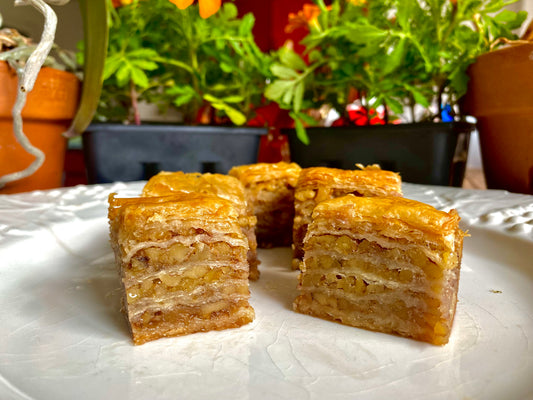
[182, 263]
[270, 190]
[384, 264]
[320, 183]
[224, 186]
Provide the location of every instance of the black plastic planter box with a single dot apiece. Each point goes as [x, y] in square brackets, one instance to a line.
[130, 152]
[426, 153]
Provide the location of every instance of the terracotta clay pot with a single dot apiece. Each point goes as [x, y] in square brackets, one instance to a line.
[500, 96]
[49, 109]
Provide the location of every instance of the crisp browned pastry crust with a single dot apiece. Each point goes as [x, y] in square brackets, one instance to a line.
[261, 172]
[182, 263]
[270, 191]
[224, 186]
[385, 264]
[320, 183]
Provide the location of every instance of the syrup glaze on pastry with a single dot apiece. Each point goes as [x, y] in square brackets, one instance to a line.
[320, 183]
[270, 191]
[385, 264]
[223, 186]
[182, 263]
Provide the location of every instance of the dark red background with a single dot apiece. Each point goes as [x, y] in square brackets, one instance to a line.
[271, 17]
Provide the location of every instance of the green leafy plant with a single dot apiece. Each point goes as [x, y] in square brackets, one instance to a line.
[410, 56]
[174, 58]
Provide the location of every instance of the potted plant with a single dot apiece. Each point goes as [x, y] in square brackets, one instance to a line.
[47, 114]
[40, 99]
[173, 55]
[398, 68]
[500, 96]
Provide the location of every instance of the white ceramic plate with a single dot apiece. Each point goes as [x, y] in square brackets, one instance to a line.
[62, 335]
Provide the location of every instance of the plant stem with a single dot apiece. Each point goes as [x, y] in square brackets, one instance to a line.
[134, 103]
[193, 58]
[441, 87]
[412, 108]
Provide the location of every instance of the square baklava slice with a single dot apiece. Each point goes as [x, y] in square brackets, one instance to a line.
[270, 190]
[384, 264]
[182, 263]
[317, 184]
[223, 186]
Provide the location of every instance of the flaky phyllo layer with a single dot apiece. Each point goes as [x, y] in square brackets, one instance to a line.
[182, 262]
[318, 184]
[385, 264]
[223, 186]
[269, 190]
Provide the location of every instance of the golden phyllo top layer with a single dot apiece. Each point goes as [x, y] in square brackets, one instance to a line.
[396, 216]
[181, 214]
[224, 186]
[261, 172]
[367, 181]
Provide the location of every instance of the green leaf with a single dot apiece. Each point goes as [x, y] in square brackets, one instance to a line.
[505, 16]
[212, 99]
[179, 89]
[370, 49]
[291, 59]
[183, 94]
[96, 34]
[418, 96]
[459, 82]
[233, 114]
[495, 5]
[183, 99]
[138, 77]
[176, 63]
[404, 13]
[237, 47]
[305, 118]
[277, 89]
[298, 96]
[314, 56]
[218, 87]
[143, 53]
[283, 72]
[300, 129]
[394, 105]
[144, 64]
[517, 21]
[230, 10]
[323, 17]
[233, 99]
[236, 116]
[395, 58]
[361, 34]
[111, 66]
[226, 67]
[123, 74]
[247, 24]
[288, 95]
